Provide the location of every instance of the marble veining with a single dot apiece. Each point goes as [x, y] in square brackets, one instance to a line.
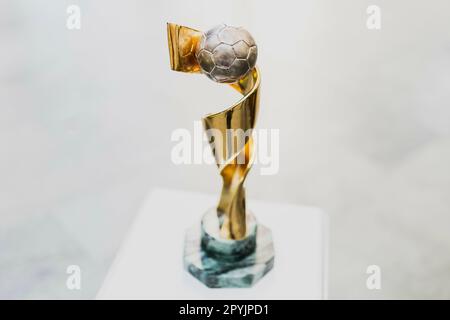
[221, 273]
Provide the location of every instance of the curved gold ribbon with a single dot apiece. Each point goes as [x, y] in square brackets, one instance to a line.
[229, 131]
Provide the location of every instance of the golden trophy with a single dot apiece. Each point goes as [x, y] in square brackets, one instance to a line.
[229, 248]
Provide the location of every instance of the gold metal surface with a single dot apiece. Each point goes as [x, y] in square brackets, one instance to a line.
[182, 45]
[234, 159]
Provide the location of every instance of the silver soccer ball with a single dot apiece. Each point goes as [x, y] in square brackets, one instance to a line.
[226, 54]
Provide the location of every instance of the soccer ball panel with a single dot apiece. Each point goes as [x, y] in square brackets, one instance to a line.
[252, 55]
[239, 68]
[241, 49]
[223, 55]
[205, 60]
[230, 35]
[222, 75]
[211, 42]
[247, 37]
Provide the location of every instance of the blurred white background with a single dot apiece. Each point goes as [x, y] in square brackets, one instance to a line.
[364, 117]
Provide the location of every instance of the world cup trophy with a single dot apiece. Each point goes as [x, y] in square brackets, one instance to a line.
[229, 248]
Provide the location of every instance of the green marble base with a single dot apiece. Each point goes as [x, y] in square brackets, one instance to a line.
[222, 263]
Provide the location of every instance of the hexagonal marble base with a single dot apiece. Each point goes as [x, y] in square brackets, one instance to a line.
[217, 272]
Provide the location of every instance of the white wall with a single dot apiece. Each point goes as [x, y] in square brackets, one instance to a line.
[364, 118]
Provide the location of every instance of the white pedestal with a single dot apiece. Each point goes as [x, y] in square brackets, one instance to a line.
[149, 264]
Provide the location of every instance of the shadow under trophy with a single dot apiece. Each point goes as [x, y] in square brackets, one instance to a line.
[229, 248]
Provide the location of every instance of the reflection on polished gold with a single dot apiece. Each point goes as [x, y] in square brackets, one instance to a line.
[233, 163]
[182, 46]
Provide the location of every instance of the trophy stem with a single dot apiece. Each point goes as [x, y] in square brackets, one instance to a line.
[232, 208]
